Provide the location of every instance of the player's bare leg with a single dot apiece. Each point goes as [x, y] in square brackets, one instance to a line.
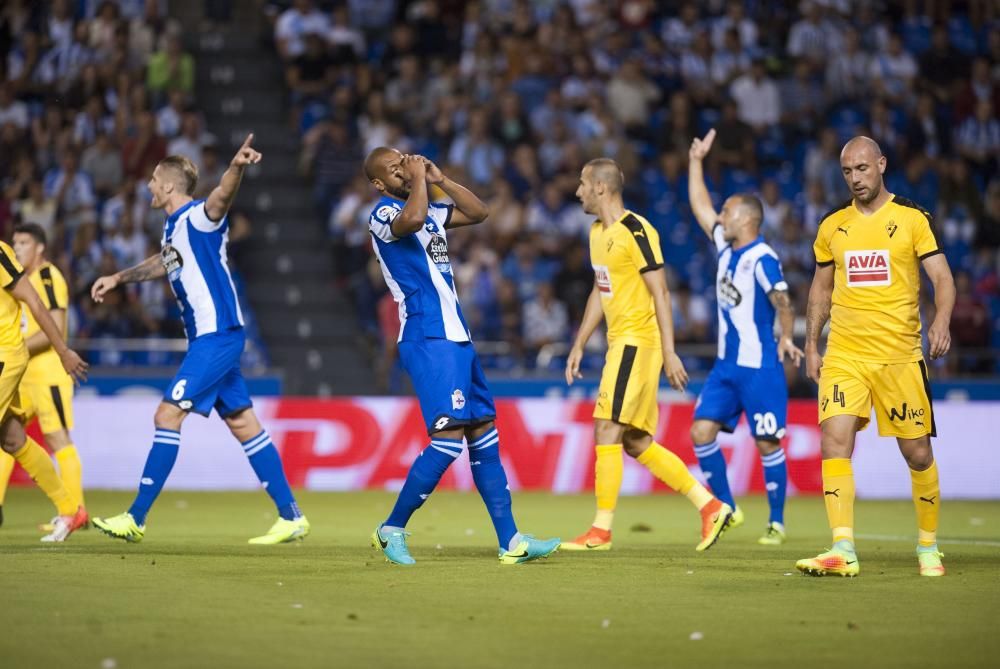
[926, 500]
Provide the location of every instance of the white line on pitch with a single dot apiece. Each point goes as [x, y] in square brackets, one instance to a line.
[896, 537]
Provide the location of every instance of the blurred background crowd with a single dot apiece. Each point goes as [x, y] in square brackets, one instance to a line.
[92, 95]
[512, 97]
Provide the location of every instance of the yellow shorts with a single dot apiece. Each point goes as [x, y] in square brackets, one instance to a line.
[900, 394]
[630, 385]
[12, 366]
[52, 403]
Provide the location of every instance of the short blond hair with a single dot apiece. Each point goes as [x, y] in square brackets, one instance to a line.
[186, 170]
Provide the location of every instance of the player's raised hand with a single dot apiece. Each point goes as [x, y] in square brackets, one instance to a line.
[701, 146]
[74, 365]
[939, 339]
[674, 368]
[787, 347]
[413, 167]
[102, 286]
[814, 363]
[246, 155]
[434, 174]
[573, 365]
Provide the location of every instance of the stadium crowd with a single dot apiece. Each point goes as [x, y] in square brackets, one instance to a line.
[92, 95]
[512, 97]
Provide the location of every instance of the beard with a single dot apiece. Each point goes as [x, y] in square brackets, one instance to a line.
[872, 194]
[401, 192]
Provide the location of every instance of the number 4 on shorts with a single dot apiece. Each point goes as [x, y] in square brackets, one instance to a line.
[838, 396]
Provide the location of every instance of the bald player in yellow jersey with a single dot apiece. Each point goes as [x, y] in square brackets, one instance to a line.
[630, 292]
[867, 284]
[13, 363]
[46, 388]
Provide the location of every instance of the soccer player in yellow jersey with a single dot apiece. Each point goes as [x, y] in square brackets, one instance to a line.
[867, 284]
[13, 363]
[630, 292]
[46, 389]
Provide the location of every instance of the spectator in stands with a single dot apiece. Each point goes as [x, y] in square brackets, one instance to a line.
[191, 140]
[808, 37]
[776, 208]
[970, 327]
[332, 159]
[980, 87]
[210, 173]
[940, 65]
[12, 110]
[736, 19]
[347, 43]
[730, 59]
[38, 208]
[893, 71]
[927, 132]
[757, 100]
[546, 319]
[696, 69]
[170, 69]
[848, 70]
[143, 150]
[978, 141]
[476, 152]
[679, 31]
[988, 230]
[73, 190]
[630, 96]
[801, 101]
[127, 242]
[310, 75]
[103, 162]
[294, 24]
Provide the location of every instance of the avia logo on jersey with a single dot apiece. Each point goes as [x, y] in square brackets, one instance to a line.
[172, 261]
[437, 249]
[603, 278]
[868, 268]
[457, 400]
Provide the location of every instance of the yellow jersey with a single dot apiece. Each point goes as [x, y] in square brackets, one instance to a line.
[875, 314]
[49, 283]
[10, 308]
[620, 253]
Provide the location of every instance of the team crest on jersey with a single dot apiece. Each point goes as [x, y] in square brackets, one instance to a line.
[729, 294]
[172, 261]
[457, 400]
[437, 249]
[603, 278]
[891, 228]
[868, 268]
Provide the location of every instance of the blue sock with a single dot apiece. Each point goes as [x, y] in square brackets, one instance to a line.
[491, 481]
[425, 472]
[159, 462]
[266, 465]
[713, 466]
[776, 482]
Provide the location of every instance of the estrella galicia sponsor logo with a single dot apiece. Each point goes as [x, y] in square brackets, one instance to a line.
[172, 261]
[906, 413]
[729, 294]
[437, 249]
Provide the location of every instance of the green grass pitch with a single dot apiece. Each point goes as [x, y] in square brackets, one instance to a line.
[194, 594]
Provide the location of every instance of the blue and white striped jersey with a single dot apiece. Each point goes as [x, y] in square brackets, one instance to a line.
[193, 251]
[417, 271]
[746, 315]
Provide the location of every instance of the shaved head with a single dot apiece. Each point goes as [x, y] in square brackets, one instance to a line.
[862, 164]
[751, 206]
[607, 172]
[376, 161]
[862, 145]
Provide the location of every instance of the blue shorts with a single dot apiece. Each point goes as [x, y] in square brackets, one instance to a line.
[449, 382]
[210, 376]
[730, 390]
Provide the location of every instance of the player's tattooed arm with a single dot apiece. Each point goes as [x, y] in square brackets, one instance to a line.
[701, 201]
[150, 268]
[221, 198]
[817, 314]
[469, 209]
[782, 302]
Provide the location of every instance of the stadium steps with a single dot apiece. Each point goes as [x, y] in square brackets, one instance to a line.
[309, 326]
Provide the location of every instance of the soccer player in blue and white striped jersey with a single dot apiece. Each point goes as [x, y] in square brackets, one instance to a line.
[193, 258]
[409, 235]
[748, 375]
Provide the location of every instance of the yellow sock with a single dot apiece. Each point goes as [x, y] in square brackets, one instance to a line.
[670, 469]
[39, 466]
[6, 469]
[71, 471]
[607, 483]
[927, 500]
[838, 493]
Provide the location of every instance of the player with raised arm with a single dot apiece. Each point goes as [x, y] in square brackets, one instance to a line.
[747, 376]
[630, 292]
[869, 252]
[409, 236]
[14, 359]
[193, 258]
[46, 389]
